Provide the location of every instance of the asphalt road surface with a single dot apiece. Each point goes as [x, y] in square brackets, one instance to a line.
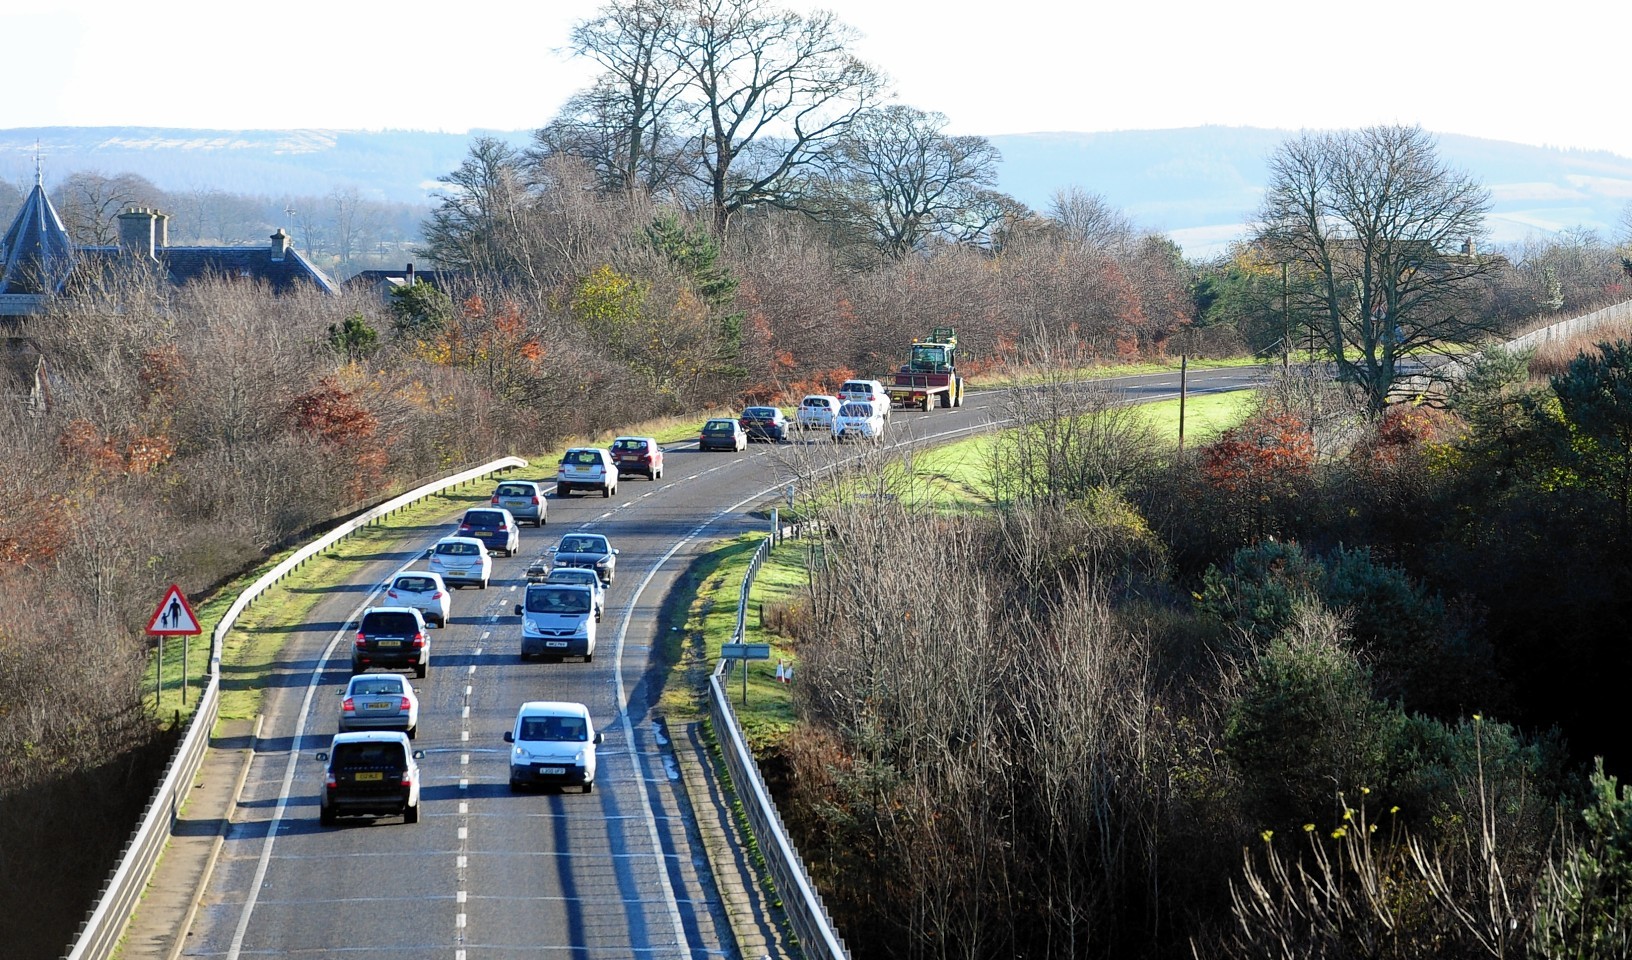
[617, 873]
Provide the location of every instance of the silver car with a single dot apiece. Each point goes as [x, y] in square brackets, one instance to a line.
[380, 701]
[524, 499]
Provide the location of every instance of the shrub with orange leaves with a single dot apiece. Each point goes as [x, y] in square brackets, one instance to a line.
[1264, 455]
[332, 414]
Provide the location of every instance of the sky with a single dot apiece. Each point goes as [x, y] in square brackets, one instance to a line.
[1547, 76]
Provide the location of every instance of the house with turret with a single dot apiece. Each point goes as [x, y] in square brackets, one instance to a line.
[39, 261]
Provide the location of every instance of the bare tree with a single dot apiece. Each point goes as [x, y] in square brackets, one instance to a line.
[898, 176]
[90, 203]
[1089, 218]
[622, 126]
[1382, 225]
[771, 91]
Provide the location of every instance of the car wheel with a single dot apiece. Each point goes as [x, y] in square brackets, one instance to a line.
[419, 670]
[589, 658]
[411, 814]
[325, 816]
[413, 731]
[515, 786]
[482, 585]
[606, 492]
[589, 786]
[441, 622]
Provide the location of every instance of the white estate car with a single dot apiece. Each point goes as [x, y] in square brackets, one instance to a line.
[858, 419]
[586, 468]
[816, 411]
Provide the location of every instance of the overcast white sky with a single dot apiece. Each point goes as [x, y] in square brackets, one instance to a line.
[1549, 75]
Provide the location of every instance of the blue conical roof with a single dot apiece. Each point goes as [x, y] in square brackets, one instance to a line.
[36, 255]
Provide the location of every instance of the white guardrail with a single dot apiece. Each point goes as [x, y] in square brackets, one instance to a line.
[807, 915]
[100, 933]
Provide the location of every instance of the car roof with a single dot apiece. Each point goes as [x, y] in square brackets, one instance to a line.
[391, 609]
[520, 483]
[551, 708]
[419, 573]
[820, 396]
[643, 439]
[477, 541]
[586, 449]
[577, 573]
[370, 736]
[722, 420]
[558, 586]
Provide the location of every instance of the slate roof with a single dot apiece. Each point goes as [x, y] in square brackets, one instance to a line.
[184, 265]
[36, 254]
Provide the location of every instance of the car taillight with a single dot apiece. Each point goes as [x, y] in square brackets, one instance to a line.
[503, 527]
[419, 639]
[330, 781]
[437, 595]
[535, 498]
[404, 705]
[407, 781]
[495, 500]
[392, 593]
[348, 706]
[361, 638]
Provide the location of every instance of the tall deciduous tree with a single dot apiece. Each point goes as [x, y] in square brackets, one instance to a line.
[1380, 226]
[900, 177]
[481, 223]
[770, 92]
[90, 203]
[623, 125]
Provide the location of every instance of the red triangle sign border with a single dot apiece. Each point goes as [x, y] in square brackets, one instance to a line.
[174, 616]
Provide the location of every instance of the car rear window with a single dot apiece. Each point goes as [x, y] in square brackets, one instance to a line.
[856, 410]
[760, 413]
[719, 426]
[635, 445]
[376, 686]
[582, 456]
[389, 622]
[458, 549]
[415, 584]
[815, 401]
[483, 518]
[513, 490]
[369, 755]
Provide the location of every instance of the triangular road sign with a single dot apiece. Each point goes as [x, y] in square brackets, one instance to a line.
[173, 618]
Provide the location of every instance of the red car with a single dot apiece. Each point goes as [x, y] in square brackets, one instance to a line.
[639, 455]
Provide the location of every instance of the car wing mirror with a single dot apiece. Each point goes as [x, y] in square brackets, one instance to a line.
[419, 754]
[322, 755]
[430, 551]
[509, 737]
[340, 692]
[614, 551]
[518, 609]
[553, 549]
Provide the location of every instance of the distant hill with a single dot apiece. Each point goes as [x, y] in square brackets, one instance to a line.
[1199, 185]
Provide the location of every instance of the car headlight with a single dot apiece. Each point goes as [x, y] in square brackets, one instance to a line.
[603, 561]
[520, 754]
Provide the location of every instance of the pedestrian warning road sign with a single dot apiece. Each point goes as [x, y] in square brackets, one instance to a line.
[173, 618]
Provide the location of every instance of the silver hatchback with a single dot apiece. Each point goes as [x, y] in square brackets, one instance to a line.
[524, 499]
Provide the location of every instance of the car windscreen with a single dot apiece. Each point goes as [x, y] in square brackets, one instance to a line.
[458, 549]
[415, 584]
[556, 729]
[376, 687]
[563, 600]
[387, 755]
[856, 410]
[582, 545]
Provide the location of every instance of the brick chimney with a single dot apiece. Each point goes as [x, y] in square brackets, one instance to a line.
[138, 230]
[280, 246]
[410, 280]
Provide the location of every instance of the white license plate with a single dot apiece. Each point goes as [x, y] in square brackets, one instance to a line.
[552, 771]
[555, 643]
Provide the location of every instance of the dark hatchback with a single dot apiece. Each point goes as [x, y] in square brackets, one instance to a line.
[392, 637]
[764, 423]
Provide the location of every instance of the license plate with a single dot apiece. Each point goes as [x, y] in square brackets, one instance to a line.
[382, 705]
[552, 771]
[555, 643]
[388, 643]
[484, 533]
[370, 775]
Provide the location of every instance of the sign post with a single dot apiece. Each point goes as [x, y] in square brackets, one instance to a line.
[174, 617]
[745, 652]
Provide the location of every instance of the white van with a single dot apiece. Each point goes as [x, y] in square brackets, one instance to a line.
[553, 743]
[557, 620]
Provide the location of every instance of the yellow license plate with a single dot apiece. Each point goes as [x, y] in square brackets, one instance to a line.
[389, 643]
[370, 775]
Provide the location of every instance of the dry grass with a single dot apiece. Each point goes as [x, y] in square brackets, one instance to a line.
[1553, 358]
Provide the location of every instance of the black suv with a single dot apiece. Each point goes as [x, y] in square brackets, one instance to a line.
[372, 773]
[391, 637]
